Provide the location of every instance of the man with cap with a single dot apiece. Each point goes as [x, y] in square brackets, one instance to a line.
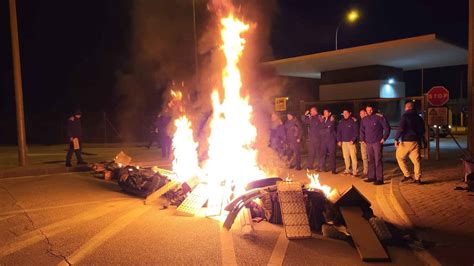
[363, 147]
[74, 133]
[328, 142]
[374, 131]
[408, 140]
[347, 134]
[293, 138]
[313, 120]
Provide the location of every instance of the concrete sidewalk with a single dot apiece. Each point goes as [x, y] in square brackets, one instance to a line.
[440, 213]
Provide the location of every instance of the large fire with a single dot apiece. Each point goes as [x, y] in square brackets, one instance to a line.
[232, 157]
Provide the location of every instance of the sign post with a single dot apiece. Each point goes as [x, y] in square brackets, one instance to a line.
[437, 116]
[280, 104]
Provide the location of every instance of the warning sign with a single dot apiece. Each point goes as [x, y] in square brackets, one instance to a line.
[280, 104]
[438, 116]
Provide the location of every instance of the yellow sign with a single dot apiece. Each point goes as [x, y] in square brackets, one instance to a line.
[280, 104]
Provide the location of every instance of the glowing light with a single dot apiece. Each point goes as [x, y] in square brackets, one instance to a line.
[353, 15]
[391, 81]
[185, 163]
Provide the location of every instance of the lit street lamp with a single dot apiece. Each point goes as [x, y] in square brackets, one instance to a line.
[350, 17]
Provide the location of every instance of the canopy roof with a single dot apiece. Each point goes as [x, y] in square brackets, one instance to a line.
[425, 51]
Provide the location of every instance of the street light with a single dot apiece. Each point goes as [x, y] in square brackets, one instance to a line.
[350, 17]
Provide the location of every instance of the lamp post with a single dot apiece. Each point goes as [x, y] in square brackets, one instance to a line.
[350, 17]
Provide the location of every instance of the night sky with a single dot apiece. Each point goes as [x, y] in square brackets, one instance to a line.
[74, 51]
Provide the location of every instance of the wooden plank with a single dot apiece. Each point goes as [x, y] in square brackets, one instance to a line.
[293, 210]
[364, 237]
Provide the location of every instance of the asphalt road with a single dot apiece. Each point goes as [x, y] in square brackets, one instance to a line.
[78, 219]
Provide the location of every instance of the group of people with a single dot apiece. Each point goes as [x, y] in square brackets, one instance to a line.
[368, 133]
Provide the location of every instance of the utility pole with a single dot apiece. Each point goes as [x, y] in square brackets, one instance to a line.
[470, 80]
[20, 116]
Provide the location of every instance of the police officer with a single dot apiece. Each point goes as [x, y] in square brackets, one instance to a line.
[293, 138]
[374, 131]
[328, 142]
[154, 130]
[313, 120]
[347, 134]
[363, 147]
[74, 133]
[408, 140]
[277, 135]
[162, 123]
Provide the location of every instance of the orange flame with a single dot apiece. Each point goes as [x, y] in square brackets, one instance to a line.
[316, 185]
[185, 163]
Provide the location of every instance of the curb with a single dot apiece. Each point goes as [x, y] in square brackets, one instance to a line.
[401, 205]
[21, 172]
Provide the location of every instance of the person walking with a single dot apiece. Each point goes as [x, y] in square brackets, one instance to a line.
[293, 137]
[328, 142]
[408, 141]
[74, 134]
[313, 120]
[363, 147]
[374, 131]
[347, 134]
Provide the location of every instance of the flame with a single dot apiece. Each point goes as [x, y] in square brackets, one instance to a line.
[185, 163]
[316, 185]
[232, 159]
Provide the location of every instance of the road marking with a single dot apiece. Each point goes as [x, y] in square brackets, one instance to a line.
[227, 247]
[279, 251]
[104, 235]
[62, 206]
[37, 235]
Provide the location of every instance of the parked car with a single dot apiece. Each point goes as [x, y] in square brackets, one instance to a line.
[444, 131]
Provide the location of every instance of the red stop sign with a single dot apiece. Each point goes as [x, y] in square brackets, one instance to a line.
[438, 96]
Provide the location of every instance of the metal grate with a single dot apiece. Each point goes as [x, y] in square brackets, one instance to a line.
[293, 210]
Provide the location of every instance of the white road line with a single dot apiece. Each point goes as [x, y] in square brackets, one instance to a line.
[104, 235]
[227, 247]
[37, 235]
[62, 206]
[279, 251]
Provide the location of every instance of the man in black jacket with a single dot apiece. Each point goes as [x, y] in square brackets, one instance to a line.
[74, 133]
[408, 140]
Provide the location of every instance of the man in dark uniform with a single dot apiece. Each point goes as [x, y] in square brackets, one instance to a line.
[347, 135]
[74, 134]
[162, 123]
[313, 120]
[154, 130]
[328, 142]
[293, 137]
[277, 135]
[408, 141]
[374, 131]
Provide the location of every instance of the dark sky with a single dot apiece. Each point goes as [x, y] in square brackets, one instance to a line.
[72, 50]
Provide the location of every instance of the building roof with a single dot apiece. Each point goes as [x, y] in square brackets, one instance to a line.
[426, 51]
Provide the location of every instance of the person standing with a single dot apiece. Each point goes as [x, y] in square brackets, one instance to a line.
[277, 135]
[162, 123]
[313, 120]
[374, 131]
[347, 134]
[328, 142]
[408, 141]
[154, 130]
[74, 134]
[293, 137]
[363, 147]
